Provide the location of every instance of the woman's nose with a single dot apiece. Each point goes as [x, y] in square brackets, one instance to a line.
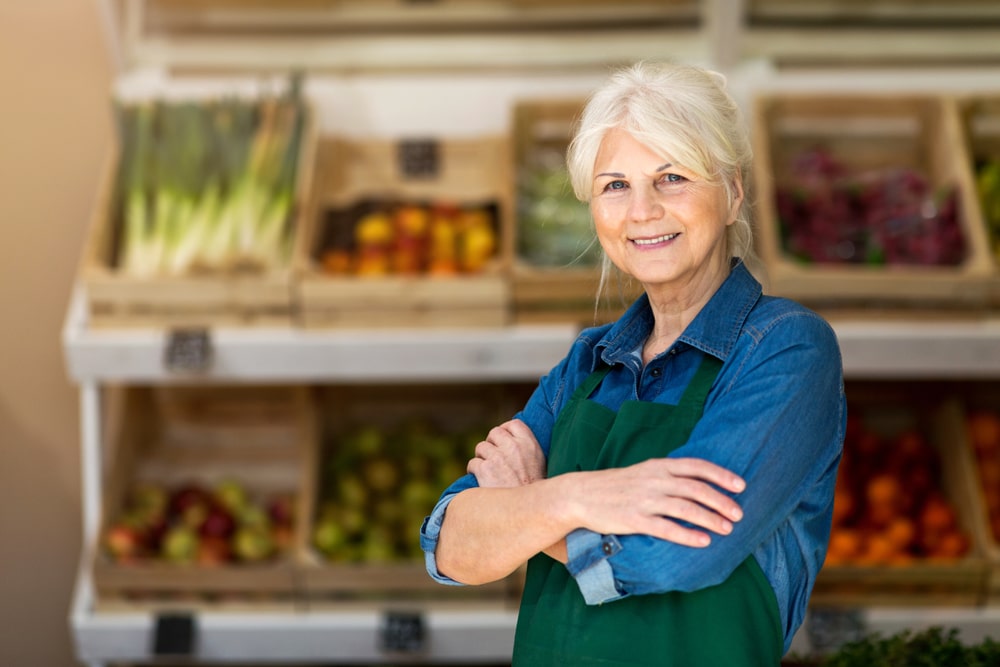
[644, 204]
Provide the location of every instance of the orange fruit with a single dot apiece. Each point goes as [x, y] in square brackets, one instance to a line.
[901, 533]
[844, 546]
[877, 550]
[883, 490]
[954, 544]
[937, 516]
[843, 505]
[983, 428]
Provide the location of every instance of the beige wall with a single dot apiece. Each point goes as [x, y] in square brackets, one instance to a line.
[54, 133]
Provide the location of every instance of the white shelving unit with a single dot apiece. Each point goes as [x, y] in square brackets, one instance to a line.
[889, 350]
[520, 53]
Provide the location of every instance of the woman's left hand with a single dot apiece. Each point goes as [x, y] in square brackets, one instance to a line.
[509, 456]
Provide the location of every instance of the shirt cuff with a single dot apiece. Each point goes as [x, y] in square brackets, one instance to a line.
[587, 561]
[430, 531]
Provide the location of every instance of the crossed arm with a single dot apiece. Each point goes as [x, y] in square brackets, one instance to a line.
[516, 512]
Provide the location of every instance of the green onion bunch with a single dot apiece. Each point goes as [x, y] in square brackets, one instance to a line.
[207, 186]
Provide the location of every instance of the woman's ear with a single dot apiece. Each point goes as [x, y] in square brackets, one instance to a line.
[737, 191]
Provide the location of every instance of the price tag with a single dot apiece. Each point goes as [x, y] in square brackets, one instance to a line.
[188, 351]
[402, 632]
[830, 628]
[418, 158]
[174, 634]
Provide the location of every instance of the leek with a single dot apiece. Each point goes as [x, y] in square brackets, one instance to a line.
[210, 187]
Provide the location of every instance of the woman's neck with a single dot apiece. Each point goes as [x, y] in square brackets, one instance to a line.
[673, 311]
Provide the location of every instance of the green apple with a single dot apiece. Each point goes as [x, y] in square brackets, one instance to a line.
[253, 543]
[381, 474]
[329, 537]
[180, 544]
[231, 494]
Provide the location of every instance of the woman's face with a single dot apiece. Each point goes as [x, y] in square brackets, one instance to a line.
[657, 221]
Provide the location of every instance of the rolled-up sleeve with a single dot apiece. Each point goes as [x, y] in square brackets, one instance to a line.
[587, 560]
[430, 530]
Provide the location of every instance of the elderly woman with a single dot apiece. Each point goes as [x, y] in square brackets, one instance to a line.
[670, 482]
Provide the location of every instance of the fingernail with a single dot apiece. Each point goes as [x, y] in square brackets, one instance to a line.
[704, 540]
[739, 484]
[727, 527]
[737, 514]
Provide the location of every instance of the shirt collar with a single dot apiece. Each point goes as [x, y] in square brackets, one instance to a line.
[714, 329]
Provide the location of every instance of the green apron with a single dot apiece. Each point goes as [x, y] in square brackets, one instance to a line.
[732, 624]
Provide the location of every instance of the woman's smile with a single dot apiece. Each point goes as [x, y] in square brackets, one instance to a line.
[656, 240]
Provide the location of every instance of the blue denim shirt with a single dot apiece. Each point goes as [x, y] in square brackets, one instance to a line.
[775, 415]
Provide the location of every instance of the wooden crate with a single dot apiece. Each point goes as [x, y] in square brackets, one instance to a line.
[959, 582]
[429, 433]
[357, 176]
[562, 289]
[236, 298]
[974, 399]
[868, 133]
[980, 115]
[176, 437]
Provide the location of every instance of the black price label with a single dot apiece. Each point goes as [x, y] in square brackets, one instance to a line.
[174, 635]
[402, 632]
[418, 158]
[188, 351]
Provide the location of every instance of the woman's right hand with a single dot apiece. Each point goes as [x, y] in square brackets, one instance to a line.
[652, 497]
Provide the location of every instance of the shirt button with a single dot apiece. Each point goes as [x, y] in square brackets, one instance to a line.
[607, 548]
[656, 372]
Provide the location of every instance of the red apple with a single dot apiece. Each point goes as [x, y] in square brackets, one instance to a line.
[218, 523]
[123, 541]
[281, 509]
[213, 550]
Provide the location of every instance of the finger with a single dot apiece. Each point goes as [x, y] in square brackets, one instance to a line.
[707, 471]
[706, 496]
[473, 465]
[518, 429]
[671, 531]
[695, 514]
[484, 449]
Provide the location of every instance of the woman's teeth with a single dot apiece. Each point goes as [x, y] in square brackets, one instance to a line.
[658, 239]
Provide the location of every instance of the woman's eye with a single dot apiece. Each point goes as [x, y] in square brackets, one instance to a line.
[616, 185]
[672, 178]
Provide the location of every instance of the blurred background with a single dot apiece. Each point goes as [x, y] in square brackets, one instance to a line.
[482, 94]
[56, 76]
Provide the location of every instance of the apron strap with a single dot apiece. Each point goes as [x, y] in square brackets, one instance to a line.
[697, 390]
[587, 387]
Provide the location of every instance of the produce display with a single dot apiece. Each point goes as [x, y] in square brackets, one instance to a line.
[831, 215]
[988, 188]
[439, 239]
[207, 186]
[983, 428]
[554, 227]
[378, 485]
[889, 505]
[935, 646]
[194, 524]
